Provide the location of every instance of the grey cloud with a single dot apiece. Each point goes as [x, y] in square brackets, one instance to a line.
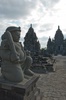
[64, 36]
[64, 30]
[49, 3]
[16, 8]
[43, 38]
[22, 39]
[46, 27]
[35, 25]
[43, 41]
[64, 33]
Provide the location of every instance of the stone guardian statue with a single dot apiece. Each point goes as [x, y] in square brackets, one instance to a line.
[16, 62]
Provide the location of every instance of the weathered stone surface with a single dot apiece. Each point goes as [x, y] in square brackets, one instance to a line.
[53, 85]
[15, 61]
[25, 90]
[43, 64]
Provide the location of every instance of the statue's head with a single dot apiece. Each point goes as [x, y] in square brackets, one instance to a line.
[13, 28]
[15, 32]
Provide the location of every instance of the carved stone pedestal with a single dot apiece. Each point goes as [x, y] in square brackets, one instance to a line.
[26, 90]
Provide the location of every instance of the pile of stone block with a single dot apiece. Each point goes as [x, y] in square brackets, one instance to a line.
[44, 63]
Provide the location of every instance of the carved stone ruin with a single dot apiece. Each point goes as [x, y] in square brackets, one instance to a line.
[43, 64]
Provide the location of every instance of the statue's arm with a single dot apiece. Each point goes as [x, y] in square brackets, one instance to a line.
[4, 51]
[8, 49]
[14, 54]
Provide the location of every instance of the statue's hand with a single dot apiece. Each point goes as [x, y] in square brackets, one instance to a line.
[15, 57]
[28, 53]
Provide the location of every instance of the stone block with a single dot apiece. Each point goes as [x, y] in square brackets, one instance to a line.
[25, 90]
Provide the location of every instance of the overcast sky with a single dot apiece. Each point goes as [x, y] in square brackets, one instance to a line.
[45, 15]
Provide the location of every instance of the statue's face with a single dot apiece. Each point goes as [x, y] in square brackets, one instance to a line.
[16, 36]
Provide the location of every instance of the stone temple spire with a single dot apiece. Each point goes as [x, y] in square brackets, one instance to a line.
[31, 42]
[31, 25]
[58, 27]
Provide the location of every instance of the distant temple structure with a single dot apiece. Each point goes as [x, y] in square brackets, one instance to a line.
[58, 44]
[31, 42]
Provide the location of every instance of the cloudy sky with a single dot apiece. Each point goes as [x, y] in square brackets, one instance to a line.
[44, 15]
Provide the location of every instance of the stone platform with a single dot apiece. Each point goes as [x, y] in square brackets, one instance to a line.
[26, 90]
